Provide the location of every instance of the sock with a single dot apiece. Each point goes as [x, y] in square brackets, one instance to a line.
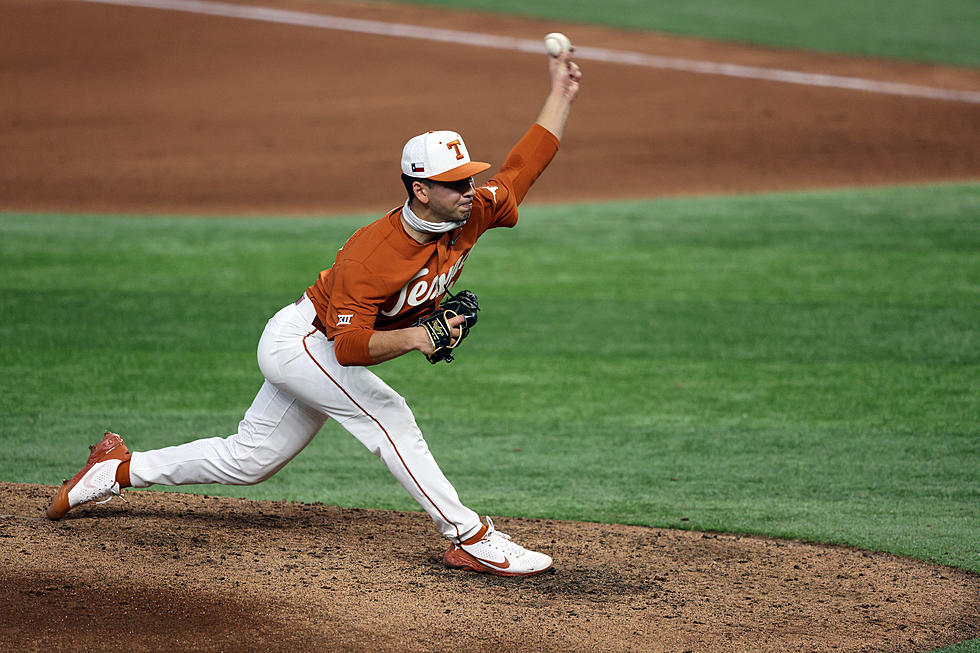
[479, 535]
[122, 474]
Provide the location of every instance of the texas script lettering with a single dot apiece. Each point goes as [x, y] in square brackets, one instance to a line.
[418, 291]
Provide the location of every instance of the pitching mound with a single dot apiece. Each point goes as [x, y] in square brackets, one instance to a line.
[188, 572]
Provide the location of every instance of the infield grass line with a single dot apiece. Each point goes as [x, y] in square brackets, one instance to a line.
[475, 39]
[968, 646]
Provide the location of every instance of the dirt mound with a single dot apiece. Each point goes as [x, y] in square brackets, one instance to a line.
[168, 571]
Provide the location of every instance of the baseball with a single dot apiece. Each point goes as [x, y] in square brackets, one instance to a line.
[556, 43]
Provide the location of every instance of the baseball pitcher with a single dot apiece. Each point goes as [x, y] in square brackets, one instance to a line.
[387, 293]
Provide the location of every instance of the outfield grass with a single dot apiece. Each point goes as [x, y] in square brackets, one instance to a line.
[799, 365]
[924, 30]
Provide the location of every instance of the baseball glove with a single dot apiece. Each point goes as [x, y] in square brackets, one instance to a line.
[437, 325]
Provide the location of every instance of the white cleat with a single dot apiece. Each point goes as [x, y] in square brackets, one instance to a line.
[96, 481]
[493, 552]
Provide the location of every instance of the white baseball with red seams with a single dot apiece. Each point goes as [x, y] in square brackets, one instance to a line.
[556, 43]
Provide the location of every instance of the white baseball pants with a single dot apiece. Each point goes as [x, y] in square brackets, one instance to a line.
[304, 385]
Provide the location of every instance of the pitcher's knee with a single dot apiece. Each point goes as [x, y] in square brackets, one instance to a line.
[249, 464]
[253, 469]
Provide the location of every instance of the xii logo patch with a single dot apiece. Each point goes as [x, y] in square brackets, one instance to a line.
[344, 320]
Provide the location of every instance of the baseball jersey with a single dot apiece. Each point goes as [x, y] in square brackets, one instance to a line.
[383, 279]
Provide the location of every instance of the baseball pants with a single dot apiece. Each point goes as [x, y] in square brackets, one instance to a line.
[304, 385]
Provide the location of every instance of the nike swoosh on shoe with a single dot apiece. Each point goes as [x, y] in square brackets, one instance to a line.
[499, 565]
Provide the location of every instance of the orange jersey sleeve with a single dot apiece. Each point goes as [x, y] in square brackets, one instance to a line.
[527, 160]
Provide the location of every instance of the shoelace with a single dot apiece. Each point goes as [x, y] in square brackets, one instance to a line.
[105, 494]
[502, 541]
[113, 493]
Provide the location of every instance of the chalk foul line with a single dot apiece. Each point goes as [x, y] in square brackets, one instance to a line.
[475, 39]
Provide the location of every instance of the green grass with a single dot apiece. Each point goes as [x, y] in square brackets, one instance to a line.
[924, 30]
[970, 646]
[798, 365]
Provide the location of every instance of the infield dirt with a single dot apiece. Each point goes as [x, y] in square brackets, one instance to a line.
[110, 109]
[114, 109]
[188, 572]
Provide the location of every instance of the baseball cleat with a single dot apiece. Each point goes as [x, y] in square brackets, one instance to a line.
[493, 552]
[96, 481]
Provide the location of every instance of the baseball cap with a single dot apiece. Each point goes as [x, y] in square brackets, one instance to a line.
[440, 156]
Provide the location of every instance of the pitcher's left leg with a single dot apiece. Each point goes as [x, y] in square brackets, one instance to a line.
[391, 434]
[388, 429]
[381, 420]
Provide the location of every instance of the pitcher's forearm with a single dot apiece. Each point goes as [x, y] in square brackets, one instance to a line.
[565, 78]
[385, 345]
[554, 114]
